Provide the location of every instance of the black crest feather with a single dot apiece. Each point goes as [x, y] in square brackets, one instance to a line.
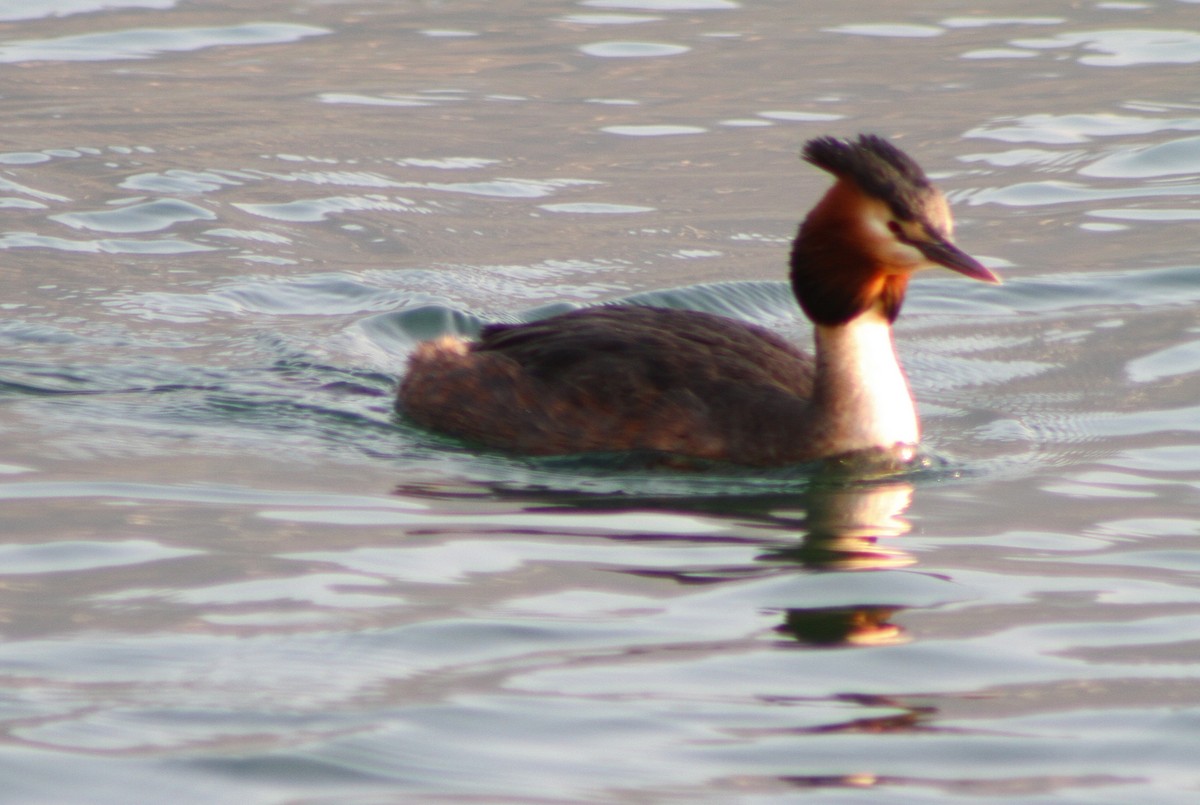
[878, 167]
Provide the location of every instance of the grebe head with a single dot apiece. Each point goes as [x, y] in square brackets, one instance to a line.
[881, 221]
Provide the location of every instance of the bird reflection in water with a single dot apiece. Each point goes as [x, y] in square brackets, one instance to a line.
[844, 526]
[846, 515]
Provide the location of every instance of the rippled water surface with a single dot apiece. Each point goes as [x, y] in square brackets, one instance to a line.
[229, 573]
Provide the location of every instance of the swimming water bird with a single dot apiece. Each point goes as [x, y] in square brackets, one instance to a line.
[692, 384]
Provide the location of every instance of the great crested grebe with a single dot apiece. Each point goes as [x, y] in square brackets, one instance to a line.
[685, 383]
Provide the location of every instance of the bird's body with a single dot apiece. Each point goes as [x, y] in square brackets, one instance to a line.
[686, 383]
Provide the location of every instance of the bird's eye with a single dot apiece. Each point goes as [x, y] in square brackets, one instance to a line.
[894, 228]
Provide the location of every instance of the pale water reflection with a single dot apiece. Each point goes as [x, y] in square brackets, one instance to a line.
[227, 571]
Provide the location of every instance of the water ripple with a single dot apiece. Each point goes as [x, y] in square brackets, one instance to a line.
[196, 493]
[142, 43]
[179, 180]
[320, 590]
[320, 209]
[11, 11]
[32, 240]
[76, 555]
[1169, 362]
[1165, 159]
[609, 19]
[378, 100]
[595, 208]
[664, 5]
[343, 178]
[448, 33]
[888, 29]
[448, 163]
[632, 50]
[1038, 194]
[987, 22]
[800, 117]
[149, 216]
[1125, 47]
[13, 187]
[1078, 128]
[505, 188]
[24, 158]
[996, 53]
[654, 130]
[1164, 215]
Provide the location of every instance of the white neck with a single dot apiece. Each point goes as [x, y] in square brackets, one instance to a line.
[860, 392]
